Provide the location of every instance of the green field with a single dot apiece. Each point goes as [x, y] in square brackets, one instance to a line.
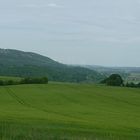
[69, 112]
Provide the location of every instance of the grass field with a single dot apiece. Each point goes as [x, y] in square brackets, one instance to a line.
[69, 112]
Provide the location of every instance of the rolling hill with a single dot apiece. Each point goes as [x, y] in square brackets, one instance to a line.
[23, 64]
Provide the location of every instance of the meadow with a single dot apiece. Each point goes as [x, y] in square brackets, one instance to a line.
[63, 111]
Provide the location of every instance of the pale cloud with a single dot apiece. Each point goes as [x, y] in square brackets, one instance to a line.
[33, 6]
[54, 5]
[73, 31]
[50, 5]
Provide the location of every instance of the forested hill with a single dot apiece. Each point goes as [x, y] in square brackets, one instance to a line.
[24, 64]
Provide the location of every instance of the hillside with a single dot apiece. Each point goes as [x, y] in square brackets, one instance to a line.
[19, 63]
[60, 111]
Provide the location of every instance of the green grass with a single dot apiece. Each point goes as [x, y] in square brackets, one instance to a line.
[69, 112]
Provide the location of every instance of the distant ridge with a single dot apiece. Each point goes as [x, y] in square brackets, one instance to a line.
[23, 64]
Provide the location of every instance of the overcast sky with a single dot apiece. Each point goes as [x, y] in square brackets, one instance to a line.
[100, 32]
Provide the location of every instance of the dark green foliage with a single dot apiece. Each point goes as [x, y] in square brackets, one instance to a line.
[23, 64]
[10, 82]
[116, 80]
[138, 84]
[113, 80]
[1, 83]
[28, 80]
[133, 85]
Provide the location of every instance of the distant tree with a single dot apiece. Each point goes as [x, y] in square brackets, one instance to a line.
[44, 80]
[1, 83]
[113, 80]
[130, 84]
[10, 82]
[29, 80]
[133, 85]
[138, 85]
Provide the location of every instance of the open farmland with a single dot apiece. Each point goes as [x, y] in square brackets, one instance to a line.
[69, 111]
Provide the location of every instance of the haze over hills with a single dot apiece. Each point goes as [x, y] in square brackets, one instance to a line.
[23, 64]
[110, 70]
[129, 74]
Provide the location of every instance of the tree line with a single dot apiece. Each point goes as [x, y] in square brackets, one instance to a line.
[27, 80]
[133, 85]
[116, 80]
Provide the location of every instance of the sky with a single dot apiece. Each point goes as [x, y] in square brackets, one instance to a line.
[88, 32]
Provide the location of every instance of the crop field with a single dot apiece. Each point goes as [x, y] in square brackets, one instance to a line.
[61, 111]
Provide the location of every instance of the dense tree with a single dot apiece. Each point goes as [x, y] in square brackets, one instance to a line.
[133, 85]
[113, 80]
[34, 65]
[138, 84]
[9, 82]
[28, 80]
[1, 83]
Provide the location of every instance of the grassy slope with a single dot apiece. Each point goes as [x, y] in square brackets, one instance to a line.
[69, 111]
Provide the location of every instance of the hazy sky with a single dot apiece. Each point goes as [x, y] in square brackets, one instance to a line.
[100, 32]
